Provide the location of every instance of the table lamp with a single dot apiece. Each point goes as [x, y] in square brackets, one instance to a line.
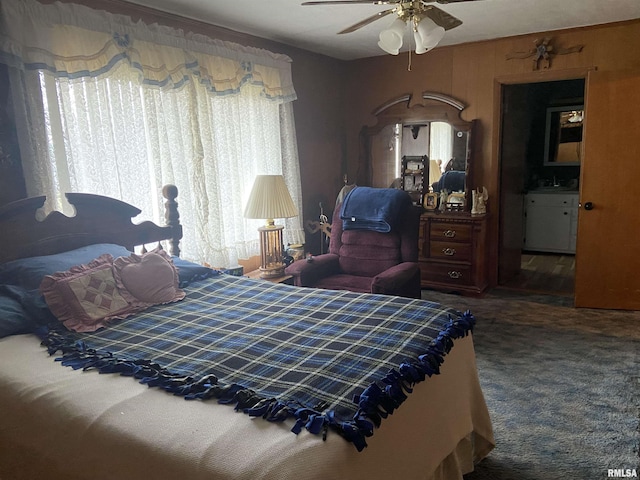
[270, 199]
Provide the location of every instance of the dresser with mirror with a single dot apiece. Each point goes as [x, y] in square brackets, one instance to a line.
[426, 148]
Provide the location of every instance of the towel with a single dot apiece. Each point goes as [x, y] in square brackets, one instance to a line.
[377, 209]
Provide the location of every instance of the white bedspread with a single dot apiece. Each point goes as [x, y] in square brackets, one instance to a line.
[57, 423]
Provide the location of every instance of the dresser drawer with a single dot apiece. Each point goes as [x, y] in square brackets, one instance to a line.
[450, 232]
[457, 252]
[447, 274]
[452, 253]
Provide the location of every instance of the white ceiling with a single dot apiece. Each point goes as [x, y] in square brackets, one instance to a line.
[314, 28]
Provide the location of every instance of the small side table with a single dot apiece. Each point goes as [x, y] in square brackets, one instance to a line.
[255, 274]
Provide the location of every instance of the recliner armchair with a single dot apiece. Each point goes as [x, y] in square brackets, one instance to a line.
[366, 261]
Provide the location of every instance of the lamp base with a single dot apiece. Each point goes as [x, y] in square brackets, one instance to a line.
[271, 255]
[272, 272]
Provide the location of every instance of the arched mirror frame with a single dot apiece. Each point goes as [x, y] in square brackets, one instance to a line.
[435, 107]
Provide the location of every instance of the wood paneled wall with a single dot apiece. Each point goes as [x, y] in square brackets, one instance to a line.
[473, 73]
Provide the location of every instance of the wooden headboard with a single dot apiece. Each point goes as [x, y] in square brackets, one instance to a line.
[97, 219]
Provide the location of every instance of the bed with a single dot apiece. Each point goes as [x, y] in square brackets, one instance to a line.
[247, 379]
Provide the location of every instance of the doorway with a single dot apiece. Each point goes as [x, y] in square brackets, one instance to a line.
[524, 109]
[547, 273]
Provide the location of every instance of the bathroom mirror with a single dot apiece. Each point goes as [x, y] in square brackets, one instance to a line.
[431, 129]
[563, 135]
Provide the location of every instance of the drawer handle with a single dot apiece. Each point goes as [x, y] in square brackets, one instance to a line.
[455, 274]
[449, 251]
[449, 233]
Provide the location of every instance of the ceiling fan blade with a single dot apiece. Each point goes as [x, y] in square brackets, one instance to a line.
[367, 21]
[442, 18]
[348, 2]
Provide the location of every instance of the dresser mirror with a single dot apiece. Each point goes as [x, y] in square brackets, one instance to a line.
[431, 130]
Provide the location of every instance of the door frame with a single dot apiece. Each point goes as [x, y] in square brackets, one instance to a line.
[496, 140]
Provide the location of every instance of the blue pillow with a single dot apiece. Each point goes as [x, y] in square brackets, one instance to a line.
[191, 272]
[14, 319]
[29, 272]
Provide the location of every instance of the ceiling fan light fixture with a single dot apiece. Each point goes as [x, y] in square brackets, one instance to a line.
[390, 52]
[391, 38]
[419, 45]
[430, 33]
[427, 22]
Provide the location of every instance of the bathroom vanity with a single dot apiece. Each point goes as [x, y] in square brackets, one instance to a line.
[551, 220]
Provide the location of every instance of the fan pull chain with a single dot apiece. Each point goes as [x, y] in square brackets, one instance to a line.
[409, 66]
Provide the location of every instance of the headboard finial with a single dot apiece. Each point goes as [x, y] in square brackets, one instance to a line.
[170, 192]
[172, 217]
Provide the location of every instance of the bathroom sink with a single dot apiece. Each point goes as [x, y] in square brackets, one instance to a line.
[554, 189]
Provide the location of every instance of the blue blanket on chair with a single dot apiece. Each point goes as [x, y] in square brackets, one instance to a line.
[377, 209]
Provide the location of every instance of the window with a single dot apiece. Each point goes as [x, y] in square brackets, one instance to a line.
[143, 111]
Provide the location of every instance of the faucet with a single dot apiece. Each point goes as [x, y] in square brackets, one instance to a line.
[555, 183]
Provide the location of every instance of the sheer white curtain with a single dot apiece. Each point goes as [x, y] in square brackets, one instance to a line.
[124, 123]
[440, 146]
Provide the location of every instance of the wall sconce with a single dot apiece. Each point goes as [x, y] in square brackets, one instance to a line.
[270, 199]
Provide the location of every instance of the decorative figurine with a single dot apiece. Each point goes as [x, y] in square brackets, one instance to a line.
[444, 195]
[479, 199]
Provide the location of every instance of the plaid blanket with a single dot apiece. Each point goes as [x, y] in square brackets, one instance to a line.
[330, 359]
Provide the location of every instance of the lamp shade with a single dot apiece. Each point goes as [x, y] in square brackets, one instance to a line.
[270, 199]
[391, 39]
[430, 33]
[419, 46]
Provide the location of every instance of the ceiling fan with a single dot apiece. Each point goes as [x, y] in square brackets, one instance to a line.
[428, 21]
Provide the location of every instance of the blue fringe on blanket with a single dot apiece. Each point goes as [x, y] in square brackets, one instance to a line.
[375, 403]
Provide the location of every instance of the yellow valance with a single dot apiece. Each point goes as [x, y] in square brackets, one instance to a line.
[75, 41]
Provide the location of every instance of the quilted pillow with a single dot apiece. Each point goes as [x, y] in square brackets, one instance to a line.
[86, 297]
[148, 279]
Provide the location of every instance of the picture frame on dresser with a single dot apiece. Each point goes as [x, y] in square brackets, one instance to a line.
[455, 202]
[430, 201]
[456, 197]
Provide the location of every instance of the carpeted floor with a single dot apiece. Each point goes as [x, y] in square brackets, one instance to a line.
[562, 385]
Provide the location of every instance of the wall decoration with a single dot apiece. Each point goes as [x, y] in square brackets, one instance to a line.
[542, 52]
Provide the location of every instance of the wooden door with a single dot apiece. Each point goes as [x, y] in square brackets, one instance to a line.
[608, 246]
